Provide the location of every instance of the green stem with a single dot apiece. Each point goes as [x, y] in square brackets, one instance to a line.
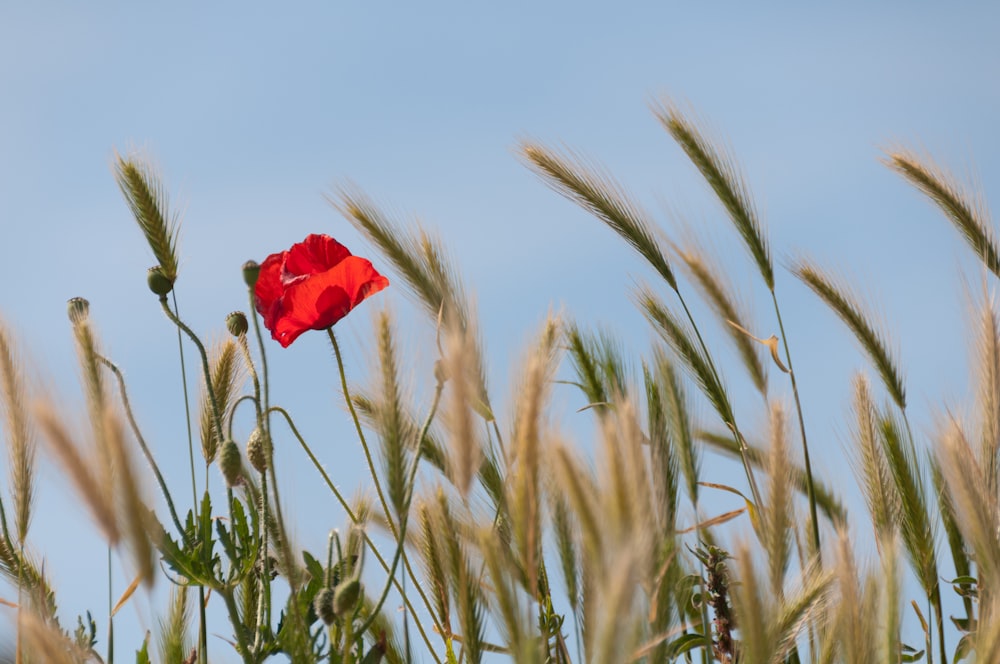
[810, 487]
[361, 435]
[142, 442]
[206, 369]
[744, 452]
[405, 516]
[371, 545]
[203, 625]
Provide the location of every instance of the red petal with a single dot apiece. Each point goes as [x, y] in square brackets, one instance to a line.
[268, 290]
[319, 301]
[315, 254]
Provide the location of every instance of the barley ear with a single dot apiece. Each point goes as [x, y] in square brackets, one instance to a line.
[589, 186]
[396, 434]
[713, 285]
[425, 267]
[779, 516]
[681, 339]
[723, 176]
[226, 371]
[19, 433]
[850, 310]
[147, 199]
[963, 209]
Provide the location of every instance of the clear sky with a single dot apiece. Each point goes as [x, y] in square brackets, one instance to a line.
[253, 113]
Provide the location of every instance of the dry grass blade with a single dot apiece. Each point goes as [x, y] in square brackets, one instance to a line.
[423, 264]
[147, 200]
[226, 369]
[715, 288]
[19, 433]
[598, 192]
[964, 210]
[681, 340]
[848, 307]
[723, 176]
[870, 463]
[80, 471]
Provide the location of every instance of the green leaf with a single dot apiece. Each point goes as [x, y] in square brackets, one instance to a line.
[142, 654]
[688, 642]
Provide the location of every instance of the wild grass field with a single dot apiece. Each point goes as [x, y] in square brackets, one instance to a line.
[488, 535]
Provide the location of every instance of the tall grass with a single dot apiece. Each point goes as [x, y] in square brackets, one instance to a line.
[492, 533]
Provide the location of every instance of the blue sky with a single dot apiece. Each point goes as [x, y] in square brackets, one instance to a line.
[254, 113]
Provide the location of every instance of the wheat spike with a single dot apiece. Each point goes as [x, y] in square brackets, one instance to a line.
[595, 190]
[147, 199]
[723, 176]
[19, 433]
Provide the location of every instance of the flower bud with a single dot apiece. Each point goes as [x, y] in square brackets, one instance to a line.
[251, 270]
[230, 463]
[259, 450]
[236, 323]
[159, 282]
[77, 308]
[323, 605]
[345, 598]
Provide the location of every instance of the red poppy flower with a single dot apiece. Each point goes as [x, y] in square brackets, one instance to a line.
[312, 286]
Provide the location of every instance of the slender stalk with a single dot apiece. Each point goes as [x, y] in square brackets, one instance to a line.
[206, 369]
[371, 545]
[744, 452]
[405, 516]
[810, 488]
[202, 625]
[361, 435]
[126, 404]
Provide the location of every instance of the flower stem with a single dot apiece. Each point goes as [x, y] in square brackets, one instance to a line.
[126, 404]
[371, 545]
[361, 435]
[405, 516]
[203, 627]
